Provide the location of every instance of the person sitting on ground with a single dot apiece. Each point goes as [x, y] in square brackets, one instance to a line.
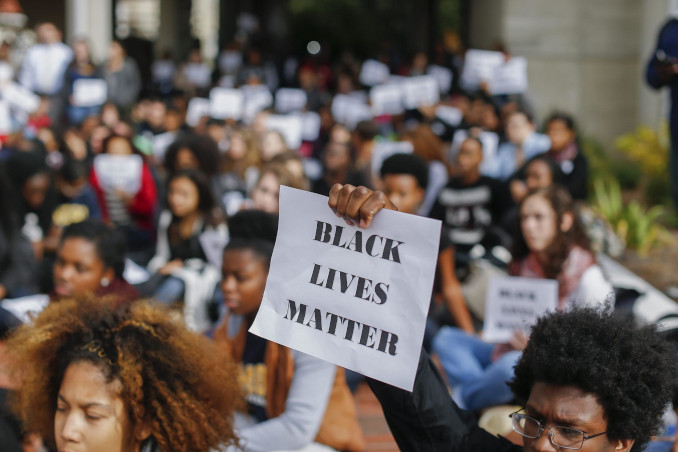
[552, 245]
[588, 379]
[88, 385]
[565, 151]
[292, 397]
[404, 178]
[470, 204]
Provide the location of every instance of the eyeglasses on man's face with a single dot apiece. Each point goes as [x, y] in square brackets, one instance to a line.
[563, 437]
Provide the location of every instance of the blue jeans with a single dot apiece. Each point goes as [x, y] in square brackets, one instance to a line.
[478, 382]
[170, 290]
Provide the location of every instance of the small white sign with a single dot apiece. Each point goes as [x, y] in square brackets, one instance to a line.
[119, 172]
[384, 149]
[288, 100]
[226, 103]
[510, 77]
[515, 304]
[354, 297]
[20, 98]
[257, 98]
[443, 76]
[350, 110]
[449, 115]
[387, 99]
[373, 73]
[290, 126]
[26, 308]
[420, 91]
[479, 67]
[89, 92]
[198, 108]
[310, 125]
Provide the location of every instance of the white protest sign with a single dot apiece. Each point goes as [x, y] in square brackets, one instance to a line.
[226, 103]
[310, 125]
[510, 77]
[89, 92]
[374, 72]
[479, 67]
[420, 91]
[490, 141]
[443, 76]
[26, 308]
[515, 304]
[5, 119]
[350, 110]
[290, 126]
[386, 99]
[119, 172]
[20, 98]
[354, 297]
[384, 149]
[288, 100]
[449, 115]
[198, 108]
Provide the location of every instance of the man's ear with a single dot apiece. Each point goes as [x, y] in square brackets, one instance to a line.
[567, 222]
[624, 445]
[142, 431]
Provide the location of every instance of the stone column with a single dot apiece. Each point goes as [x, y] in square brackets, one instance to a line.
[93, 20]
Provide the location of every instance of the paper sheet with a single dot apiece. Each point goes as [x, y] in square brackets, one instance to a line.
[354, 297]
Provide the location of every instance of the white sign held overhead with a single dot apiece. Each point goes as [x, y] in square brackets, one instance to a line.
[354, 297]
[449, 115]
[310, 125]
[386, 99]
[89, 92]
[373, 73]
[288, 100]
[510, 77]
[443, 76]
[350, 110]
[420, 91]
[226, 103]
[198, 108]
[479, 67]
[515, 304]
[119, 172]
[257, 98]
[290, 126]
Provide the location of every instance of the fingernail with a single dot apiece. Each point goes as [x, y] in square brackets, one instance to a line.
[337, 214]
[349, 222]
[363, 223]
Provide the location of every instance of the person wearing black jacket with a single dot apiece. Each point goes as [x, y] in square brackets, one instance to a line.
[588, 379]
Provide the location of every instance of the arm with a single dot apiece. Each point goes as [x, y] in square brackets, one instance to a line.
[454, 299]
[304, 409]
[658, 74]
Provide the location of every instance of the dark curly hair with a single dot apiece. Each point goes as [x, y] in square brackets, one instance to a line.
[409, 164]
[177, 381]
[628, 368]
[109, 242]
[255, 230]
[204, 149]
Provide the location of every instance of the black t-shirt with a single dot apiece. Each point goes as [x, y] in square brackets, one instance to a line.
[468, 211]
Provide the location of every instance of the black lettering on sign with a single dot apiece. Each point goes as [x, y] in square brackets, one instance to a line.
[374, 245]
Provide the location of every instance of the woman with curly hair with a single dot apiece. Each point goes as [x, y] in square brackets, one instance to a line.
[98, 376]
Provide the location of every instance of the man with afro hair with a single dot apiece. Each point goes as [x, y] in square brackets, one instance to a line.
[589, 379]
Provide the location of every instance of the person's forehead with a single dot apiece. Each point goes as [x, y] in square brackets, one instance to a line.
[563, 402]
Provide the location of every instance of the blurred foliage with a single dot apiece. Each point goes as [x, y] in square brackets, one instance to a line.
[648, 148]
[634, 224]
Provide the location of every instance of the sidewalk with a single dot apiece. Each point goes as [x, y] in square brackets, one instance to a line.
[378, 437]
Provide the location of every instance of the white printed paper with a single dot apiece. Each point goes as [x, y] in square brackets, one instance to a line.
[89, 92]
[310, 125]
[226, 103]
[374, 72]
[479, 67]
[387, 99]
[449, 115]
[257, 98]
[290, 126]
[349, 110]
[384, 149]
[20, 98]
[198, 108]
[119, 172]
[515, 304]
[25, 308]
[288, 100]
[420, 91]
[510, 77]
[354, 297]
[443, 76]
